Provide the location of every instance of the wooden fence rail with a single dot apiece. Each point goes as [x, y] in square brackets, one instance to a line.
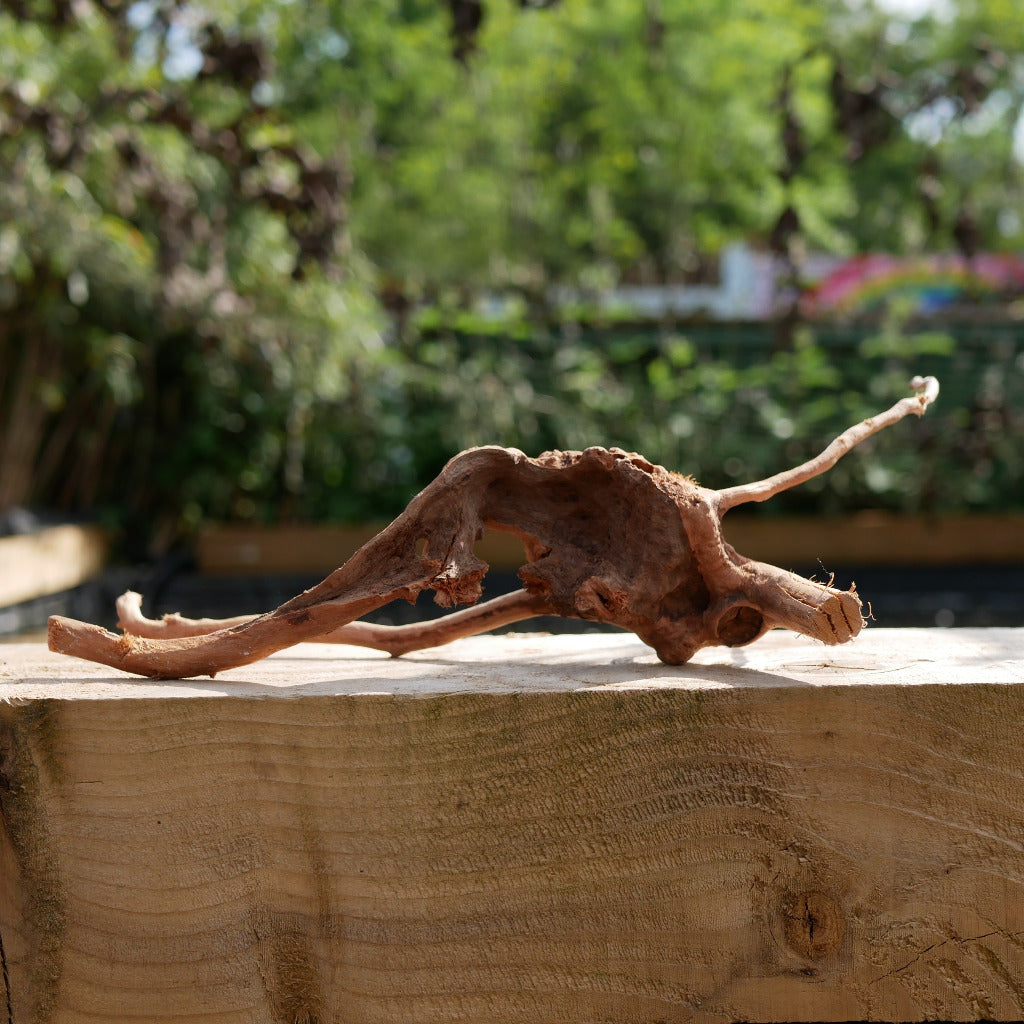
[521, 829]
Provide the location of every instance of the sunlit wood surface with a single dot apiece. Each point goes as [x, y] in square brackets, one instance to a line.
[522, 829]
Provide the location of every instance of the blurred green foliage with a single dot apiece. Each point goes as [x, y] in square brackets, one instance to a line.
[241, 242]
[713, 402]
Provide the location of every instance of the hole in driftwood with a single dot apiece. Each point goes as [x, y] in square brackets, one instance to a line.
[740, 625]
[502, 551]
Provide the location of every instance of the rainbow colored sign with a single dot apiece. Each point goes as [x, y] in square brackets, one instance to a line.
[931, 282]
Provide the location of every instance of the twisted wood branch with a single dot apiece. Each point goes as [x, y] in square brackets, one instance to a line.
[394, 640]
[608, 537]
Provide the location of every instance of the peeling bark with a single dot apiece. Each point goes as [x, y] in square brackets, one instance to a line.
[609, 537]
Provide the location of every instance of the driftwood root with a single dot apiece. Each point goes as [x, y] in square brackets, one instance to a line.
[609, 537]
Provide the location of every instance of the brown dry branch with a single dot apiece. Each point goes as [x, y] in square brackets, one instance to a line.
[608, 537]
[394, 640]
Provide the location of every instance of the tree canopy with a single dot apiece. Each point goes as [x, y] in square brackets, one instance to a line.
[216, 214]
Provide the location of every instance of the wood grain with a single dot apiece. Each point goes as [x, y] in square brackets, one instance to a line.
[520, 829]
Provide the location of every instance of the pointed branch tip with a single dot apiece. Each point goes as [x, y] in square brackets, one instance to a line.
[927, 390]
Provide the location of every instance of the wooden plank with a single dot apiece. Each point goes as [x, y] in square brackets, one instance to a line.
[869, 538]
[47, 562]
[240, 550]
[520, 829]
[229, 550]
[880, 538]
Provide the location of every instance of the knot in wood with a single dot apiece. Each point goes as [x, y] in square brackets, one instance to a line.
[814, 924]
